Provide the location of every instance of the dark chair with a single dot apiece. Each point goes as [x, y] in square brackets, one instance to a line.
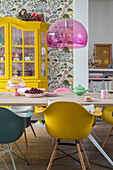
[12, 127]
[20, 110]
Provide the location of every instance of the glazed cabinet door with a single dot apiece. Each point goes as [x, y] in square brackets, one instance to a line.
[4, 53]
[23, 52]
[43, 59]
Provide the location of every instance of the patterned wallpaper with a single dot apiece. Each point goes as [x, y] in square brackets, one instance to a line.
[60, 62]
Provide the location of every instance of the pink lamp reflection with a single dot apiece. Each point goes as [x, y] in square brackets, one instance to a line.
[66, 34]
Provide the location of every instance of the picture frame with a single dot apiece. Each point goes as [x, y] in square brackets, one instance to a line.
[103, 53]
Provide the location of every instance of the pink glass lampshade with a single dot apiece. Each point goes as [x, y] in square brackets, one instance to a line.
[66, 33]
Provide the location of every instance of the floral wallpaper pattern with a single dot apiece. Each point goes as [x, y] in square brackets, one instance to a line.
[60, 62]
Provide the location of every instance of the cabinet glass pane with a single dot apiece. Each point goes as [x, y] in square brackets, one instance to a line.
[43, 38]
[42, 54]
[2, 54]
[3, 35]
[29, 54]
[17, 54]
[16, 36]
[29, 38]
[17, 69]
[2, 69]
[42, 69]
[29, 69]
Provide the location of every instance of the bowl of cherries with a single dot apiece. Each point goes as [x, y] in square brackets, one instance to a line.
[34, 92]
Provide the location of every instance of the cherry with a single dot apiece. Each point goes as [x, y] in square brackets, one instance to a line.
[34, 91]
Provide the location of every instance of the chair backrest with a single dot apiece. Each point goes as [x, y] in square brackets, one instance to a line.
[62, 89]
[68, 120]
[107, 114]
[11, 126]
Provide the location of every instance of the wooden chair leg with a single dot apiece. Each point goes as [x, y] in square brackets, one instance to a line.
[107, 138]
[25, 138]
[85, 156]
[53, 141]
[52, 156]
[33, 130]
[80, 157]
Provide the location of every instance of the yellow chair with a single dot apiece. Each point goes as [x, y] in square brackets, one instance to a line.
[71, 121]
[107, 116]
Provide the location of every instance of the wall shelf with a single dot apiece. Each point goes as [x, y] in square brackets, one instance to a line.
[100, 70]
[106, 81]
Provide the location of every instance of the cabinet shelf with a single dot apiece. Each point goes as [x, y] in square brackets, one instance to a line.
[22, 61]
[101, 79]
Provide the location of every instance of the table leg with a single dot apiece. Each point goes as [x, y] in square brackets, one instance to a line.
[93, 134]
[91, 138]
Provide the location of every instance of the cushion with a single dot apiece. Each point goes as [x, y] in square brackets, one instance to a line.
[89, 108]
[19, 109]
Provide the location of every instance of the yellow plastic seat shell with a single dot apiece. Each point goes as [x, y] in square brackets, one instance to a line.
[107, 115]
[68, 120]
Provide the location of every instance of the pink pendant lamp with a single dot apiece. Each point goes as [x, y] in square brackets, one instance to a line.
[66, 34]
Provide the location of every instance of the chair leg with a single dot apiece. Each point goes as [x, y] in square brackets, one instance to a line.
[22, 154]
[25, 138]
[53, 141]
[107, 138]
[80, 157]
[33, 130]
[85, 156]
[4, 163]
[11, 157]
[52, 156]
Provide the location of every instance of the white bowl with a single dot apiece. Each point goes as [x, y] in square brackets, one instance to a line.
[22, 90]
[34, 95]
[43, 89]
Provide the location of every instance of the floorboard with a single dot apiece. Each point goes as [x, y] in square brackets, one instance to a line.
[40, 148]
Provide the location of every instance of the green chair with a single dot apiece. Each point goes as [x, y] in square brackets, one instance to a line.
[12, 127]
[23, 110]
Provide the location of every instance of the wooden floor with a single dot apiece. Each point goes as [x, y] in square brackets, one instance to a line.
[40, 148]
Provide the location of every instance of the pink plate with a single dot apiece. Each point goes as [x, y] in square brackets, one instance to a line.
[50, 94]
[34, 95]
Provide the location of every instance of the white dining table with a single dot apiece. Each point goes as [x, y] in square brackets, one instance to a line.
[6, 99]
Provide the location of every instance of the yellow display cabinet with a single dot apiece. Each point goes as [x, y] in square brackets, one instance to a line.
[23, 52]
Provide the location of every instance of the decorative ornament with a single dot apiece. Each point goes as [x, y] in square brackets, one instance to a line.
[30, 17]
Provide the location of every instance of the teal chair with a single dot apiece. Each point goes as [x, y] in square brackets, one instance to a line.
[12, 127]
[23, 110]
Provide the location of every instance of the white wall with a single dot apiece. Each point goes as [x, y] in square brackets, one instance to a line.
[100, 23]
[80, 58]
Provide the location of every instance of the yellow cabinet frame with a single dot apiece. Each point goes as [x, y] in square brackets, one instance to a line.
[39, 28]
